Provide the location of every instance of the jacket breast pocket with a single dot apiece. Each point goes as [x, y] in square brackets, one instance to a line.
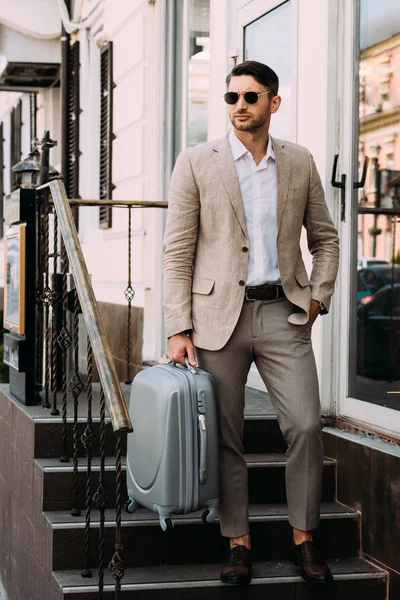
[202, 286]
[302, 278]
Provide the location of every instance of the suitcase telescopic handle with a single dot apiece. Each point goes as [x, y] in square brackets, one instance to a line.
[203, 448]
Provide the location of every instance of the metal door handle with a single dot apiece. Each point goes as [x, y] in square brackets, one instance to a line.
[342, 186]
[361, 183]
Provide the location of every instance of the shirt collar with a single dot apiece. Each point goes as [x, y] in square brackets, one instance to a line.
[239, 149]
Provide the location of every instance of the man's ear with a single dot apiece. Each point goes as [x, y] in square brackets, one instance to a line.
[275, 103]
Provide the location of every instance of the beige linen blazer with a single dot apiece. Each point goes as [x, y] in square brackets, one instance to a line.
[205, 258]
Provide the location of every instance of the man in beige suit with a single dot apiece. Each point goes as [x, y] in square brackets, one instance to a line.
[236, 288]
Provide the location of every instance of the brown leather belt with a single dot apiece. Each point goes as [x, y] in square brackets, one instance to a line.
[264, 292]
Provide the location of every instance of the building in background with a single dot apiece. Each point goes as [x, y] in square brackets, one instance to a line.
[380, 140]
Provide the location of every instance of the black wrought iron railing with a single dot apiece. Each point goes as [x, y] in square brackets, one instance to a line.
[64, 292]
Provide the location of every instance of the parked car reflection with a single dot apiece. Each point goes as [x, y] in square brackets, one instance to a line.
[378, 335]
[373, 278]
[363, 262]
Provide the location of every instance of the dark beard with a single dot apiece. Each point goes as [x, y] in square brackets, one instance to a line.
[253, 125]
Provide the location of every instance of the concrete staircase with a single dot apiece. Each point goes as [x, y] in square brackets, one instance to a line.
[185, 564]
[42, 545]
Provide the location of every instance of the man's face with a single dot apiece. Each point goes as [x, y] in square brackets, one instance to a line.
[250, 117]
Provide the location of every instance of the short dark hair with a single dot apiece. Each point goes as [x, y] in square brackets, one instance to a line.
[261, 73]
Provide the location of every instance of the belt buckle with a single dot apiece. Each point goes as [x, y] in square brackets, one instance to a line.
[246, 296]
[276, 292]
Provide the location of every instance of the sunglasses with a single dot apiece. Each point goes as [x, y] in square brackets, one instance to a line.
[250, 97]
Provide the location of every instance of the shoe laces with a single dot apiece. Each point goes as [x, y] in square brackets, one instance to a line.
[311, 553]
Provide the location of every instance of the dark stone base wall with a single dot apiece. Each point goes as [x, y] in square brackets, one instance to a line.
[115, 317]
[368, 480]
[25, 535]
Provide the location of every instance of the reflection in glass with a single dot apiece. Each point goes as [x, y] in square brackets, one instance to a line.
[269, 40]
[377, 315]
[199, 71]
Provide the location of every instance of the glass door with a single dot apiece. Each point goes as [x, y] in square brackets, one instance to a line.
[370, 391]
[266, 34]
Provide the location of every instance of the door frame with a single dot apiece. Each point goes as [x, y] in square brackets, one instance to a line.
[366, 414]
[246, 13]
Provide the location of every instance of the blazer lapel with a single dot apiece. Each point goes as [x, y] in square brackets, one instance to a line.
[282, 178]
[226, 168]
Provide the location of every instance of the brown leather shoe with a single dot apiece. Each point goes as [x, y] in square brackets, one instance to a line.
[238, 568]
[313, 566]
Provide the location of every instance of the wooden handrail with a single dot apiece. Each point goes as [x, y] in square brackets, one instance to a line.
[116, 404]
[119, 203]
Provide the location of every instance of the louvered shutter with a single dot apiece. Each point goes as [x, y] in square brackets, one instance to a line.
[33, 111]
[15, 138]
[73, 113]
[106, 134]
[1, 182]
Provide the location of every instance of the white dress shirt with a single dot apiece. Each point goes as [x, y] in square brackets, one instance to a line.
[258, 187]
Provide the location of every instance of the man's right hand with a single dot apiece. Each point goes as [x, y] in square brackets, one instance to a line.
[179, 346]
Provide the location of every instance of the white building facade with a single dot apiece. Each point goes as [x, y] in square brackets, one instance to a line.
[169, 60]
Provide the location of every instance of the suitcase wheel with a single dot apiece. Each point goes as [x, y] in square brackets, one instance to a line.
[166, 524]
[130, 506]
[208, 516]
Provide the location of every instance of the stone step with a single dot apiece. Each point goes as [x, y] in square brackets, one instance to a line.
[266, 480]
[261, 434]
[191, 541]
[49, 438]
[354, 579]
[261, 429]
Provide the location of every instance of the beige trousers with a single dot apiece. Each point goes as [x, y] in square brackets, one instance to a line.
[285, 360]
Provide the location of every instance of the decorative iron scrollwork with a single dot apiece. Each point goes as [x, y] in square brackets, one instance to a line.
[49, 296]
[117, 566]
[129, 293]
[75, 386]
[64, 339]
[101, 498]
[89, 438]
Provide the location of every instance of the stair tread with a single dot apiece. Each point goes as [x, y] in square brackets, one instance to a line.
[271, 459]
[276, 459]
[62, 519]
[55, 465]
[258, 406]
[208, 575]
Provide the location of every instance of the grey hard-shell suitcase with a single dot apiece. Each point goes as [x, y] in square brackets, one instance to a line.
[172, 456]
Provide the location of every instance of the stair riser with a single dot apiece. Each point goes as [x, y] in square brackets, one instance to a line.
[49, 441]
[266, 485]
[369, 589]
[57, 492]
[199, 544]
[263, 436]
[259, 436]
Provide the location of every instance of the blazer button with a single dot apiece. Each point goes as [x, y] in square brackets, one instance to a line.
[241, 282]
[245, 249]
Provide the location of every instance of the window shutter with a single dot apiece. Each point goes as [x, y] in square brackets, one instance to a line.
[33, 111]
[1, 182]
[73, 113]
[106, 133]
[15, 138]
